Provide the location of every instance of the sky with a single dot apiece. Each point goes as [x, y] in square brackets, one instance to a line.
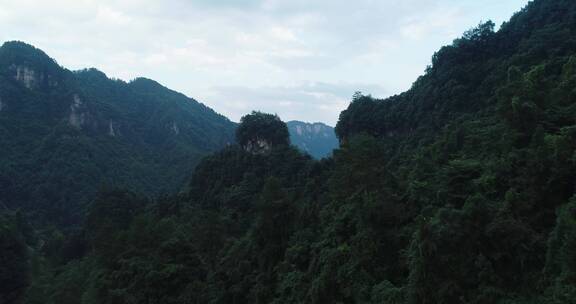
[301, 59]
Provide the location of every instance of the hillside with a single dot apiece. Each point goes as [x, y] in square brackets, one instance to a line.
[316, 139]
[460, 190]
[66, 134]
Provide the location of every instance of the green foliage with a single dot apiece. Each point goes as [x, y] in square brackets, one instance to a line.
[260, 126]
[460, 190]
[15, 269]
[66, 134]
[560, 260]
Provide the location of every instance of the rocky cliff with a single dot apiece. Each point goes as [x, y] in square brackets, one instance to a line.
[317, 139]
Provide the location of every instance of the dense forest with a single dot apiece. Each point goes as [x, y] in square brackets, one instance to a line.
[460, 190]
[64, 135]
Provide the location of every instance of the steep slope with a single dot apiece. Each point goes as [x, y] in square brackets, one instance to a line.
[65, 134]
[316, 139]
[464, 77]
[461, 190]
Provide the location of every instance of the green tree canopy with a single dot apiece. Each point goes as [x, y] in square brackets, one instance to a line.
[258, 127]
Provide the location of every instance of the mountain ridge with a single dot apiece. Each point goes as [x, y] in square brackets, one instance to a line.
[460, 190]
[317, 139]
[117, 125]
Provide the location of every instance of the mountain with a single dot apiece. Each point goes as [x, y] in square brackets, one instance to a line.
[460, 190]
[316, 139]
[65, 134]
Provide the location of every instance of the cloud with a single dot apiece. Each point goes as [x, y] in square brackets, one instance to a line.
[108, 15]
[419, 26]
[313, 101]
[300, 58]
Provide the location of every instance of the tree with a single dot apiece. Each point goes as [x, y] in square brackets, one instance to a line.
[259, 132]
[14, 262]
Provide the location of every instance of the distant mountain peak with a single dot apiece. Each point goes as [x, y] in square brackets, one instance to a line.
[92, 72]
[310, 129]
[20, 53]
[28, 65]
[147, 81]
[148, 84]
[23, 48]
[317, 139]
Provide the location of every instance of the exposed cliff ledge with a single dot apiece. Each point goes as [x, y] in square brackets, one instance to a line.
[32, 78]
[81, 118]
[258, 146]
[27, 76]
[175, 128]
[77, 117]
[113, 129]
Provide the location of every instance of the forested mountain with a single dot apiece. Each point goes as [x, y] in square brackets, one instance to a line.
[64, 135]
[460, 190]
[317, 139]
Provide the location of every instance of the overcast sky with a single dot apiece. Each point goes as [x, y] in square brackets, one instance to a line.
[302, 59]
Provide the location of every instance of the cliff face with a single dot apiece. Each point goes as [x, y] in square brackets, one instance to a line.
[74, 131]
[317, 139]
[258, 146]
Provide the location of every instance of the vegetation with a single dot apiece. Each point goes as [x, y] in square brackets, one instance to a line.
[460, 190]
[65, 135]
[15, 238]
[260, 130]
